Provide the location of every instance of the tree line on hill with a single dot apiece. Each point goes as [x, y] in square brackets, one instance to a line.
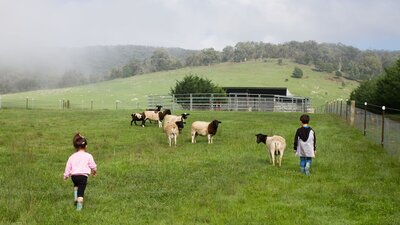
[381, 90]
[99, 63]
[342, 60]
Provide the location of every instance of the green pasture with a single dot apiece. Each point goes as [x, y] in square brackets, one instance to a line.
[131, 93]
[141, 180]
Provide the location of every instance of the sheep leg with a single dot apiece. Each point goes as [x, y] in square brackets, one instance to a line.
[209, 138]
[272, 154]
[193, 137]
[175, 139]
[273, 158]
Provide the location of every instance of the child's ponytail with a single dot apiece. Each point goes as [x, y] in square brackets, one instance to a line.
[79, 141]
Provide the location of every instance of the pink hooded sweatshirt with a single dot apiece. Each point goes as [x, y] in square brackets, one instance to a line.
[79, 163]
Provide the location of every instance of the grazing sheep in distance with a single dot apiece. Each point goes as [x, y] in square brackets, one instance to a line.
[137, 117]
[172, 131]
[156, 116]
[158, 108]
[204, 129]
[275, 144]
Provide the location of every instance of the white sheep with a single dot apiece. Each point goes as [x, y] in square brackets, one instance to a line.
[156, 116]
[202, 128]
[276, 145]
[173, 118]
[172, 131]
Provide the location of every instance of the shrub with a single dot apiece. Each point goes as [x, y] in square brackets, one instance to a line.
[297, 73]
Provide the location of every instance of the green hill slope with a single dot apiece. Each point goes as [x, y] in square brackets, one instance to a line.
[132, 92]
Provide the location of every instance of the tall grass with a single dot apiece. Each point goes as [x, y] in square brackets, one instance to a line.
[141, 180]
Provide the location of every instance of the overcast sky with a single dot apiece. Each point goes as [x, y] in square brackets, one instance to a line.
[198, 24]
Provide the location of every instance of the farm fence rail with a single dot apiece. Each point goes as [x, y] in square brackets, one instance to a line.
[72, 103]
[190, 102]
[378, 123]
[231, 102]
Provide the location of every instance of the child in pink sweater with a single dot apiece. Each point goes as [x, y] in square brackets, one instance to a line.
[79, 166]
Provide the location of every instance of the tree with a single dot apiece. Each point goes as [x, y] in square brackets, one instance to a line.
[193, 60]
[209, 56]
[26, 84]
[227, 54]
[366, 92]
[297, 73]
[115, 73]
[387, 87]
[370, 65]
[5, 87]
[382, 90]
[195, 84]
[72, 78]
[161, 60]
[132, 68]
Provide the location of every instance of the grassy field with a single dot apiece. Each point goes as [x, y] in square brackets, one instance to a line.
[141, 180]
[132, 92]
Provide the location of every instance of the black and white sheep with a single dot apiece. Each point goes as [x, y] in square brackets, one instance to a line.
[156, 116]
[137, 117]
[172, 131]
[202, 128]
[276, 145]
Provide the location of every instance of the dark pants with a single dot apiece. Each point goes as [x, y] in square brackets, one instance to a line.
[80, 181]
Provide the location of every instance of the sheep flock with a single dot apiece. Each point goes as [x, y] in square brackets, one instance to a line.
[173, 125]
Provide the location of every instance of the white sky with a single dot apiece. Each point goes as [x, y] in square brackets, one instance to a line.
[198, 24]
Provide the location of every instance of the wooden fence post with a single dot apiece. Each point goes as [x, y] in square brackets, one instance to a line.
[365, 118]
[383, 126]
[352, 112]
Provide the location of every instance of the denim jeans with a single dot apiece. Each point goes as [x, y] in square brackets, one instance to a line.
[305, 164]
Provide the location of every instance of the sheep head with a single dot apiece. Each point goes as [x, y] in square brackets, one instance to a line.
[185, 115]
[213, 126]
[261, 138]
[180, 125]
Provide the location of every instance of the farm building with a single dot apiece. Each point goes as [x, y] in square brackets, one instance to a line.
[258, 90]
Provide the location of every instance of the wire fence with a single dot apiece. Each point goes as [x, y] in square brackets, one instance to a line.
[190, 102]
[231, 102]
[71, 103]
[378, 123]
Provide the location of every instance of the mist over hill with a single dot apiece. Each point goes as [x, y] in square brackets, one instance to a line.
[42, 68]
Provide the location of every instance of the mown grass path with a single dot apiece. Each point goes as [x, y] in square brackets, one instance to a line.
[141, 180]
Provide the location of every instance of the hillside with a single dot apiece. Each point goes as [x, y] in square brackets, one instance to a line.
[43, 68]
[132, 92]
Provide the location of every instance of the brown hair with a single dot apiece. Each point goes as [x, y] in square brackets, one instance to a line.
[304, 119]
[79, 141]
